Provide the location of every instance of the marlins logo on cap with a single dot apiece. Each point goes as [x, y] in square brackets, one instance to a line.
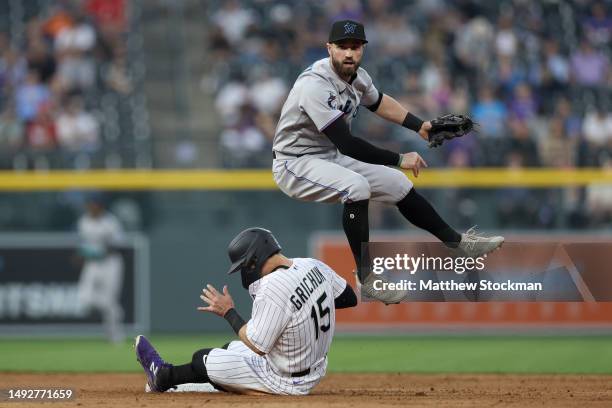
[347, 30]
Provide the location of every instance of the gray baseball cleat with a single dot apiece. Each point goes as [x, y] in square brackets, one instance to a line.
[388, 297]
[474, 245]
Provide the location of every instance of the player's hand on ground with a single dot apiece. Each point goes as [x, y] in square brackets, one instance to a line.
[218, 303]
[424, 131]
[413, 161]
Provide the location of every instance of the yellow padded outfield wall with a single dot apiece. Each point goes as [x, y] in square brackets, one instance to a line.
[262, 179]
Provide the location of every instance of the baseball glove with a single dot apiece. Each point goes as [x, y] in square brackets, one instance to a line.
[449, 126]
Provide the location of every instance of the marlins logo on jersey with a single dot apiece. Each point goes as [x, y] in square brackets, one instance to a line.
[318, 97]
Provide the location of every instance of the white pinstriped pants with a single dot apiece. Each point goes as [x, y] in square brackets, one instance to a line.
[238, 369]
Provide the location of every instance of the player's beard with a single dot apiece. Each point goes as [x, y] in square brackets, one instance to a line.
[345, 70]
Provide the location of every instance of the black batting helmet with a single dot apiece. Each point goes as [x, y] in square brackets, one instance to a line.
[249, 250]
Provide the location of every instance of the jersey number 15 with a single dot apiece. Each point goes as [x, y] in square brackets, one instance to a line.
[322, 313]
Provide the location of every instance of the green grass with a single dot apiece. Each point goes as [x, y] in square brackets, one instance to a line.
[589, 355]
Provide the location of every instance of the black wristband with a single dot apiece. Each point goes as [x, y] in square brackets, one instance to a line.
[234, 319]
[412, 122]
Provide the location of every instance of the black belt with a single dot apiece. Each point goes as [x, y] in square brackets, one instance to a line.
[301, 373]
[288, 154]
[294, 155]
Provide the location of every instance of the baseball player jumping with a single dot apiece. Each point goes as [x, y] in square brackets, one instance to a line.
[283, 347]
[316, 158]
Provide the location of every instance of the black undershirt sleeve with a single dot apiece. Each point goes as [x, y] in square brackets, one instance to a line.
[346, 298]
[357, 148]
[376, 104]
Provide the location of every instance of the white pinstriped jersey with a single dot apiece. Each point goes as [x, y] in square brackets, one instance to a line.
[293, 318]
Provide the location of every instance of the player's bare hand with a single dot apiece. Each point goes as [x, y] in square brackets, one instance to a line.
[424, 131]
[218, 303]
[413, 161]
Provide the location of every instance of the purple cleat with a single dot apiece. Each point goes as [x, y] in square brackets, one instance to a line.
[154, 366]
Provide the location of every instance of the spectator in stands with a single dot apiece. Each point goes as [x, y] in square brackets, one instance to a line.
[13, 70]
[473, 46]
[109, 15]
[77, 129]
[41, 134]
[437, 89]
[460, 99]
[413, 92]
[73, 45]
[556, 64]
[598, 26]
[572, 123]
[59, 19]
[556, 148]
[506, 43]
[589, 66]
[597, 129]
[555, 74]
[243, 143]
[234, 20]
[490, 113]
[11, 134]
[41, 60]
[116, 75]
[30, 95]
[507, 73]
[230, 98]
[522, 143]
[397, 41]
[268, 92]
[523, 105]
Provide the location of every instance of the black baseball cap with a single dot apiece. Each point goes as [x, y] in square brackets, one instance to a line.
[345, 30]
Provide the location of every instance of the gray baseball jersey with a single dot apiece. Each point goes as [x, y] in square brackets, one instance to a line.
[98, 233]
[102, 276]
[321, 173]
[292, 322]
[319, 97]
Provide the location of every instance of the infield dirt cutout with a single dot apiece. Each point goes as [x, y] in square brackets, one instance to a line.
[338, 390]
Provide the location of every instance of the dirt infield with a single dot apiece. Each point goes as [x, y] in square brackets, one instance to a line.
[339, 390]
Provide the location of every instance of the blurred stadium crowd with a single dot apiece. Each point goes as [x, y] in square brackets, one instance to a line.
[535, 75]
[57, 62]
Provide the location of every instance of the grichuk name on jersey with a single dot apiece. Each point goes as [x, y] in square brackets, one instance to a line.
[309, 283]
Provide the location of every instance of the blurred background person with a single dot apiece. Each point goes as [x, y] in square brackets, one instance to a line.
[101, 279]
